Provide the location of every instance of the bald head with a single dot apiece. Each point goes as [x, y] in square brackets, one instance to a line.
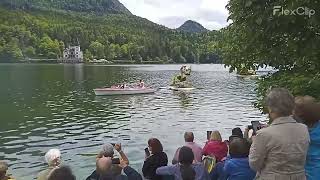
[188, 136]
[103, 165]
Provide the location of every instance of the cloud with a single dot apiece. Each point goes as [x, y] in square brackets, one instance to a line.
[172, 13]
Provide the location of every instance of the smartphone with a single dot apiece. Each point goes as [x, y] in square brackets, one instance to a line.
[209, 135]
[115, 161]
[146, 150]
[255, 126]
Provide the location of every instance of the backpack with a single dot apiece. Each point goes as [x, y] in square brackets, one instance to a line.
[209, 163]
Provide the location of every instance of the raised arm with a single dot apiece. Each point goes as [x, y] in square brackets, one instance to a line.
[258, 152]
[122, 155]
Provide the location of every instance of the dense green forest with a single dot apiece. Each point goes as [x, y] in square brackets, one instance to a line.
[85, 6]
[258, 37]
[44, 33]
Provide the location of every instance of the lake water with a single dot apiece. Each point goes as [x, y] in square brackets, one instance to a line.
[53, 106]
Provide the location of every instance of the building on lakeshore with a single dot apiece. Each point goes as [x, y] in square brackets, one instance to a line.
[72, 54]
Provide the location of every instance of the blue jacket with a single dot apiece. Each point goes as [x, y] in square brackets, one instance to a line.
[313, 156]
[238, 169]
[217, 173]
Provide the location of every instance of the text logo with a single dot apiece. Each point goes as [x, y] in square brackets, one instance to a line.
[300, 11]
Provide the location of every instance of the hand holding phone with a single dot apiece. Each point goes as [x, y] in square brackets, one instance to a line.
[209, 135]
[115, 161]
[256, 125]
[147, 152]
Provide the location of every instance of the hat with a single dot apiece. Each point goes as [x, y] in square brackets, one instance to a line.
[107, 150]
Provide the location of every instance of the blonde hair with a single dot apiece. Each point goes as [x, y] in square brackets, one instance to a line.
[3, 166]
[215, 136]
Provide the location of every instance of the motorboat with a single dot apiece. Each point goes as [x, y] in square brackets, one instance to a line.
[123, 91]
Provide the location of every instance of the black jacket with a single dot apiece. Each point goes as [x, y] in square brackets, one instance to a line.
[130, 172]
[151, 164]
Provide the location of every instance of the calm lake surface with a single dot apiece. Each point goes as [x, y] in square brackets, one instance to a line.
[53, 106]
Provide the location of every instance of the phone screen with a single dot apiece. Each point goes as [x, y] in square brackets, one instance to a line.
[209, 135]
[146, 150]
[255, 126]
[115, 161]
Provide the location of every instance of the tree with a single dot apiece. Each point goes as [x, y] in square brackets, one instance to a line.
[30, 52]
[49, 48]
[97, 50]
[11, 51]
[87, 55]
[260, 36]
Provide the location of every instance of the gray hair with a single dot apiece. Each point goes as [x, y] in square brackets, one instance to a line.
[108, 150]
[280, 101]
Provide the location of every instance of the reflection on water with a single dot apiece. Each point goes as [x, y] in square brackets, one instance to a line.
[184, 97]
[53, 106]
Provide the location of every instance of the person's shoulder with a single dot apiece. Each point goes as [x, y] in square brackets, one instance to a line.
[198, 165]
[197, 145]
[93, 176]
[44, 174]
[163, 154]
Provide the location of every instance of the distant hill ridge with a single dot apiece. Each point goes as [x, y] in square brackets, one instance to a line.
[89, 6]
[192, 27]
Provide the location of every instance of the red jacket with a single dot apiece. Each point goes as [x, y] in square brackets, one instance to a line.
[217, 149]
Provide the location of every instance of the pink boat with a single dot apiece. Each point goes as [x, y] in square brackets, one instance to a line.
[123, 91]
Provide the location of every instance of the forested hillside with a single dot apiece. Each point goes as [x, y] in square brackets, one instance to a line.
[84, 6]
[192, 27]
[34, 33]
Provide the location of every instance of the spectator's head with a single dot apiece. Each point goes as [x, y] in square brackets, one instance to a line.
[104, 165]
[106, 169]
[239, 148]
[53, 157]
[3, 169]
[108, 150]
[237, 132]
[186, 158]
[155, 146]
[280, 103]
[188, 137]
[307, 110]
[61, 173]
[215, 136]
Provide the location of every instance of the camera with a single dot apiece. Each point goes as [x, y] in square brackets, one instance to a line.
[255, 126]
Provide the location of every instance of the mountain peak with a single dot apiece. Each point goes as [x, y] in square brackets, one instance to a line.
[97, 7]
[192, 27]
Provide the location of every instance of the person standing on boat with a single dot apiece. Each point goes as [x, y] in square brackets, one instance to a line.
[141, 84]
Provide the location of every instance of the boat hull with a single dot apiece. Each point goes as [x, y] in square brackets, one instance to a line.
[180, 89]
[111, 92]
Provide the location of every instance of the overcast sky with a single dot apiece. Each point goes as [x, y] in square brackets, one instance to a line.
[173, 13]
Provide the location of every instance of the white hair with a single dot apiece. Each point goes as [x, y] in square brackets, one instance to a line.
[52, 155]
